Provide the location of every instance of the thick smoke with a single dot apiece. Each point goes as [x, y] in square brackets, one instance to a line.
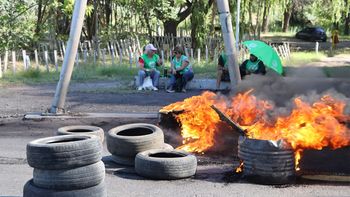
[281, 91]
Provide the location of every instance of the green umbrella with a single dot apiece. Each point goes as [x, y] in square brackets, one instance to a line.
[266, 54]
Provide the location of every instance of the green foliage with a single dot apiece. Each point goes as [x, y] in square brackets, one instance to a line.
[16, 24]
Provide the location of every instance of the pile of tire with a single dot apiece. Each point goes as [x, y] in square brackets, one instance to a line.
[82, 130]
[66, 166]
[142, 145]
[126, 141]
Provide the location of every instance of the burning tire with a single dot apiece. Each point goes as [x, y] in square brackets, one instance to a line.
[267, 162]
[128, 140]
[82, 130]
[64, 152]
[130, 161]
[165, 164]
[30, 190]
[70, 179]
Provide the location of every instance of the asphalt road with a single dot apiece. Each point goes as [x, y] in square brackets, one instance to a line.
[210, 180]
[120, 181]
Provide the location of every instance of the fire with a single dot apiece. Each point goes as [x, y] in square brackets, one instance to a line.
[308, 126]
[198, 121]
[239, 169]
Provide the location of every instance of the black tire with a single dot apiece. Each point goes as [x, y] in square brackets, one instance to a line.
[165, 164]
[30, 190]
[64, 152]
[128, 140]
[70, 179]
[82, 130]
[130, 161]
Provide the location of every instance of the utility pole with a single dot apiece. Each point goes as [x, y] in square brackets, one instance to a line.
[229, 40]
[237, 23]
[68, 62]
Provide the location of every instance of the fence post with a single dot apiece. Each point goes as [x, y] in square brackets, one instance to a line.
[14, 62]
[199, 55]
[6, 60]
[104, 57]
[36, 59]
[77, 59]
[112, 54]
[28, 61]
[95, 57]
[120, 56]
[85, 55]
[192, 56]
[316, 47]
[0, 67]
[24, 54]
[206, 53]
[130, 59]
[55, 59]
[163, 63]
[46, 57]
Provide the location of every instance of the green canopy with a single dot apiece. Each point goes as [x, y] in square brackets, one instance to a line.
[265, 53]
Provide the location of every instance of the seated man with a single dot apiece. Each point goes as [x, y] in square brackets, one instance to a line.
[252, 66]
[181, 71]
[223, 74]
[148, 63]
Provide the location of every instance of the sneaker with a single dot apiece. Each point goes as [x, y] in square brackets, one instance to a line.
[139, 88]
[183, 90]
[155, 88]
[170, 90]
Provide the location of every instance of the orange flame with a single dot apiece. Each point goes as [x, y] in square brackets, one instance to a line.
[308, 126]
[239, 169]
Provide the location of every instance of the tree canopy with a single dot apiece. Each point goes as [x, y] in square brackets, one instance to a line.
[26, 23]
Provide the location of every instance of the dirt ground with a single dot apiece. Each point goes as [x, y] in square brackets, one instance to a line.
[214, 169]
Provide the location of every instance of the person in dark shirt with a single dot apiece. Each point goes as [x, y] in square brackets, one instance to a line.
[223, 74]
[252, 66]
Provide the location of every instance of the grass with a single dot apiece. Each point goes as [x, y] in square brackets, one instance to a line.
[125, 74]
[301, 58]
[84, 72]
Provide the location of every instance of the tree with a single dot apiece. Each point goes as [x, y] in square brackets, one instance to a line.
[199, 28]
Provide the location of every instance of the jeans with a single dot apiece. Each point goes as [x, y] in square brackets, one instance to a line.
[186, 77]
[153, 74]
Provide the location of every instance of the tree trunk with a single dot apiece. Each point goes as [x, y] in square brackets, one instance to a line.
[286, 18]
[265, 22]
[170, 27]
[347, 25]
[148, 25]
[108, 11]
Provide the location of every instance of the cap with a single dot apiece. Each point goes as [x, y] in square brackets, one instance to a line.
[150, 47]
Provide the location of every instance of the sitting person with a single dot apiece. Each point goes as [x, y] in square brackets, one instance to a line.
[148, 63]
[252, 66]
[181, 71]
[223, 74]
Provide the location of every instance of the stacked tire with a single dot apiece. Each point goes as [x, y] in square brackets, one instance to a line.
[126, 141]
[82, 130]
[66, 166]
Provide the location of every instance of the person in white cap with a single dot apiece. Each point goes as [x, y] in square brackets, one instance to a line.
[149, 62]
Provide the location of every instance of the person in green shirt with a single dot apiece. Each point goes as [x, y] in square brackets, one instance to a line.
[222, 74]
[149, 63]
[181, 71]
[250, 66]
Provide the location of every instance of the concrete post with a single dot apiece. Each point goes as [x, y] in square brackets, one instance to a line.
[68, 62]
[229, 40]
[237, 23]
